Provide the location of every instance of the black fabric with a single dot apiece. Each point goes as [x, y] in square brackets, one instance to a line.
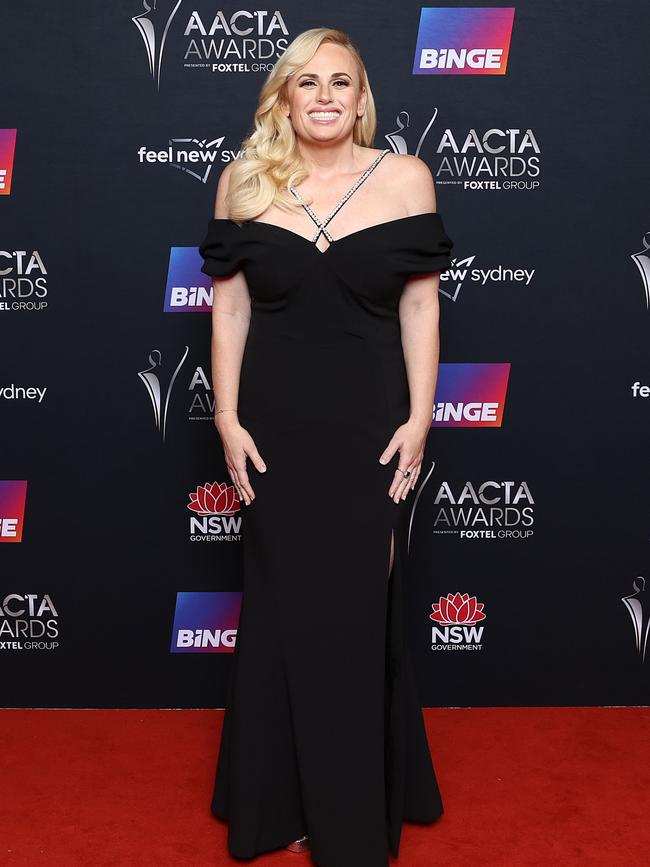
[323, 731]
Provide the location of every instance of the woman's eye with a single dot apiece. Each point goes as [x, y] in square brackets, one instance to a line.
[338, 81]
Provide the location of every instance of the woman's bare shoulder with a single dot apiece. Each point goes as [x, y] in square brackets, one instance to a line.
[220, 210]
[412, 182]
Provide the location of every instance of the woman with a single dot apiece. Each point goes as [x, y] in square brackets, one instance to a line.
[325, 349]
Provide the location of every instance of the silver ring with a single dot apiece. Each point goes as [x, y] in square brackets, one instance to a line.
[405, 473]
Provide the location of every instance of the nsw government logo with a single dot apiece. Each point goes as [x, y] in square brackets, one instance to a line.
[457, 615]
[216, 513]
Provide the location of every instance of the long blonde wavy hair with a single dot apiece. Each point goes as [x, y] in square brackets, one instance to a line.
[271, 158]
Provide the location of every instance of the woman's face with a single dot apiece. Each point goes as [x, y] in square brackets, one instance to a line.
[324, 97]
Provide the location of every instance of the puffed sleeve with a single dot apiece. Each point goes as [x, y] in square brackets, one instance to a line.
[422, 245]
[222, 248]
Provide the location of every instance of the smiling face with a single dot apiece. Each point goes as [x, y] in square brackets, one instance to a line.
[324, 96]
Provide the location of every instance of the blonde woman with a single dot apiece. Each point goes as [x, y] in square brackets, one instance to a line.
[325, 254]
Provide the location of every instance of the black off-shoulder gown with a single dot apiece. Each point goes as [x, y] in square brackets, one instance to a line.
[323, 732]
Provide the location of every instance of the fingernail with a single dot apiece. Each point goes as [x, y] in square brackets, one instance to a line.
[382, 460]
[263, 468]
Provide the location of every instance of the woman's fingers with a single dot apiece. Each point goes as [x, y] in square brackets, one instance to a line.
[238, 445]
[402, 484]
[242, 478]
[239, 476]
[235, 481]
[256, 458]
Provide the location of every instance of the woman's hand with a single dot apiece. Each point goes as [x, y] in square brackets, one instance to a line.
[237, 444]
[409, 439]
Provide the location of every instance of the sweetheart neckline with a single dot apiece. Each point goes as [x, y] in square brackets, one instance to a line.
[336, 240]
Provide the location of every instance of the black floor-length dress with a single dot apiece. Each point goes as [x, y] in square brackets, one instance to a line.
[323, 731]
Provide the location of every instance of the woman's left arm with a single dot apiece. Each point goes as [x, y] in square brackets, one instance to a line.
[419, 313]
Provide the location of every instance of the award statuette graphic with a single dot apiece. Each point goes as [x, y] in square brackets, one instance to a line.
[415, 502]
[152, 381]
[153, 25]
[642, 261]
[637, 604]
[397, 138]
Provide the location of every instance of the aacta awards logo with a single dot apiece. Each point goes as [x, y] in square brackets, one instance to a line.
[637, 606]
[244, 41]
[154, 23]
[489, 510]
[159, 385]
[642, 262]
[23, 280]
[160, 379]
[216, 513]
[486, 159]
[28, 621]
[457, 614]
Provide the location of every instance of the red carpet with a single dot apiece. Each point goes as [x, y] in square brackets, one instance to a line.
[521, 786]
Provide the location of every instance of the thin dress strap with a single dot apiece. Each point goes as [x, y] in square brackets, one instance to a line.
[322, 223]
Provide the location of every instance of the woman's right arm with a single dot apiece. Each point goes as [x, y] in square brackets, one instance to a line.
[231, 312]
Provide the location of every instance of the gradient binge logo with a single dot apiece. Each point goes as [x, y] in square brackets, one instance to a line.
[7, 153]
[206, 622]
[463, 41]
[12, 510]
[187, 290]
[470, 395]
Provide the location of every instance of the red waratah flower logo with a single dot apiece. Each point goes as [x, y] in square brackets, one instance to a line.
[214, 499]
[457, 608]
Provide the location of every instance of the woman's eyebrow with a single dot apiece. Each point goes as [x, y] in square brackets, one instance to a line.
[315, 75]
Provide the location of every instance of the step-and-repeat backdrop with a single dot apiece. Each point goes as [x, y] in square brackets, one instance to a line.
[529, 575]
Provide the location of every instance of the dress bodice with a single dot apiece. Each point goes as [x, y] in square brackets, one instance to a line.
[369, 266]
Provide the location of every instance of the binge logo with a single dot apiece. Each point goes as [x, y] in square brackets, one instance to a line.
[206, 622]
[7, 151]
[470, 395]
[463, 41]
[12, 510]
[458, 614]
[187, 290]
